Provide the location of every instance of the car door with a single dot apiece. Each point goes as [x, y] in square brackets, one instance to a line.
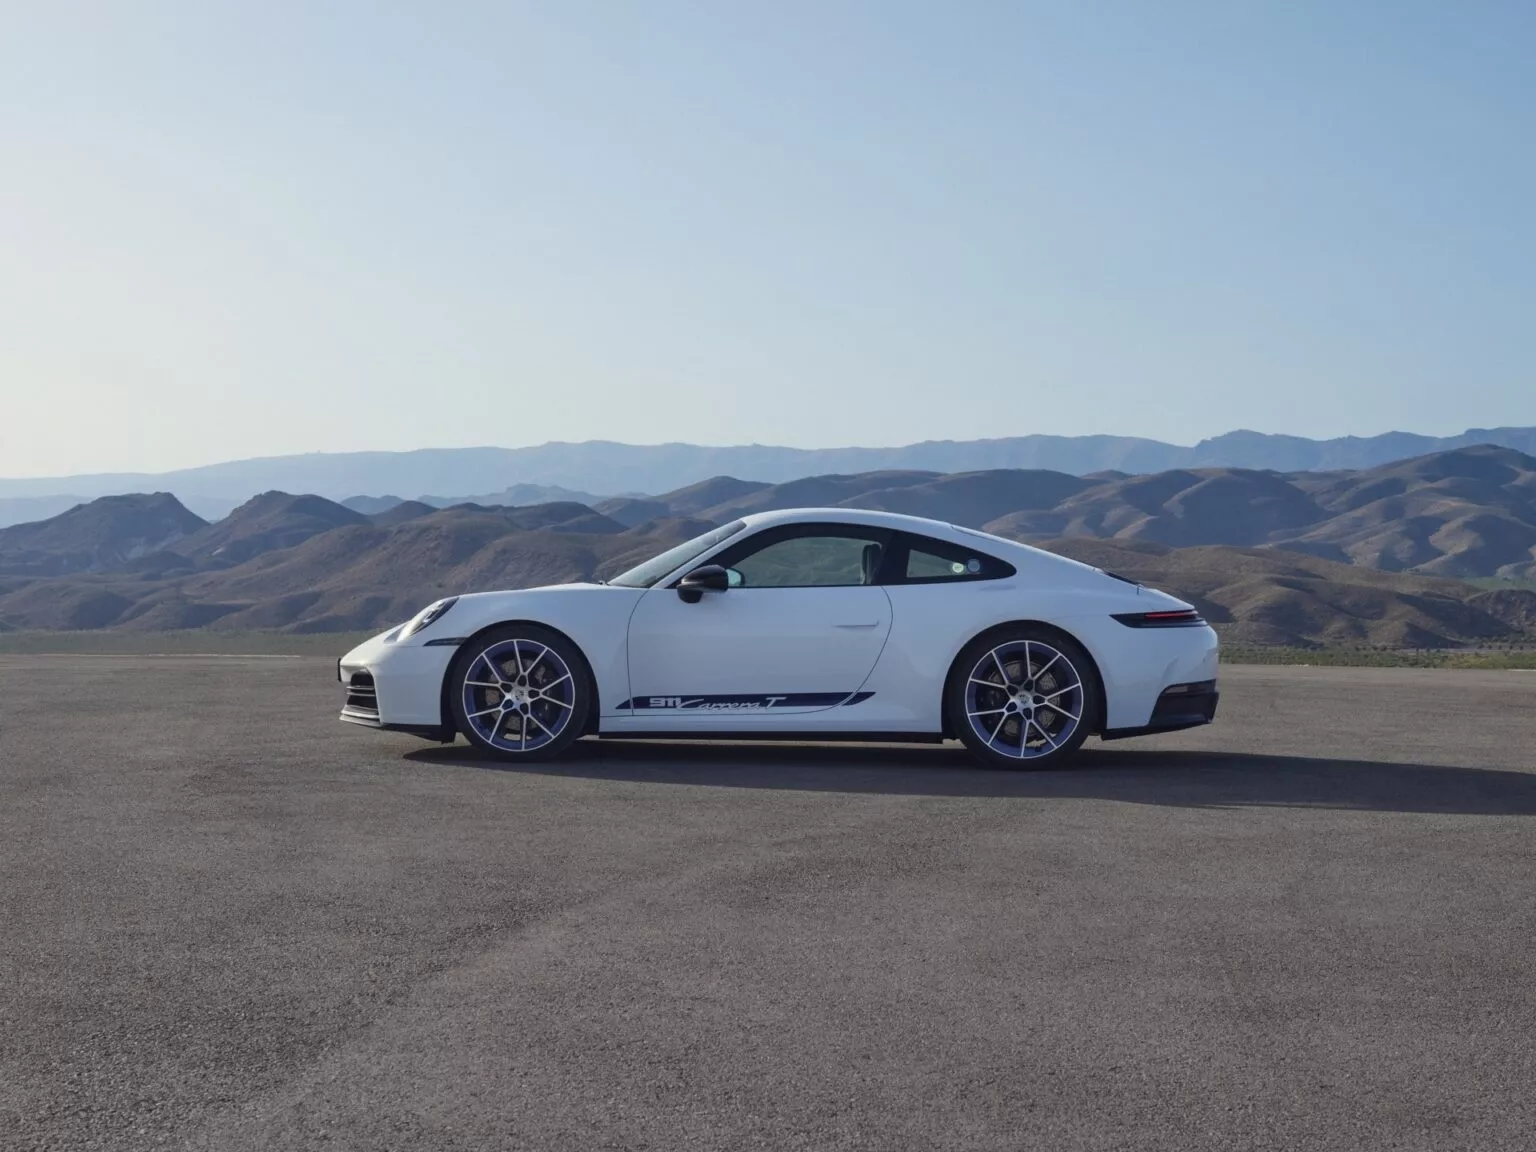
[798, 630]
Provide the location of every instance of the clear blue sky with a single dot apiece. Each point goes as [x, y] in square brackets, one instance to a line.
[240, 229]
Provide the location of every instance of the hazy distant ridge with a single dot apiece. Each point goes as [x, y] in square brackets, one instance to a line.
[608, 468]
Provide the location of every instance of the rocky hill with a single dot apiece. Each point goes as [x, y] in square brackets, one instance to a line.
[1379, 556]
[106, 533]
[270, 521]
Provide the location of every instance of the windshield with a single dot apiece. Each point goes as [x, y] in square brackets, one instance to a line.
[644, 575]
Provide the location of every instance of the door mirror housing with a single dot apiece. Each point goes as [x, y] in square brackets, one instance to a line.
[709, 578]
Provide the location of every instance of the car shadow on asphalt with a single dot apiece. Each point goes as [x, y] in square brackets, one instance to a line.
[1162, 777]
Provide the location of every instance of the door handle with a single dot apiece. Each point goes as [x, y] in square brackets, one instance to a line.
[870, 624]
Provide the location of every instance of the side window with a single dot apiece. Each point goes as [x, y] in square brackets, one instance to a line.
[802, 558]
[936, 561]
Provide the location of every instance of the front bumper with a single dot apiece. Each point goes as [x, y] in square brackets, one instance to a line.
[362, 706]
[394, 685]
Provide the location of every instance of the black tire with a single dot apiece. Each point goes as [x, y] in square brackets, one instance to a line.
[1027, 680]
[534, 707]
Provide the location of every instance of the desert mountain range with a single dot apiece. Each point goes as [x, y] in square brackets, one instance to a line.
[1383, 555]
[562, 471]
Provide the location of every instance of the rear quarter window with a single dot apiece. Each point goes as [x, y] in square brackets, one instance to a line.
[929, 561]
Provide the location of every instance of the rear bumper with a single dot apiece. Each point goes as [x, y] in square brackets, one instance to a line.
[1139, 664]
[1179, 706]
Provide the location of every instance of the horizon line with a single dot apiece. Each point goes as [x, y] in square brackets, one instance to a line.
[754, 445]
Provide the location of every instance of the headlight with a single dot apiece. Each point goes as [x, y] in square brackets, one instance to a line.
[428, 616]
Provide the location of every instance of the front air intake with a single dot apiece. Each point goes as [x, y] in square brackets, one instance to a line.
[362, 697]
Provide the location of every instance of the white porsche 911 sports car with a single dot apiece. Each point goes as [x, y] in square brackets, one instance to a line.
[807, 624]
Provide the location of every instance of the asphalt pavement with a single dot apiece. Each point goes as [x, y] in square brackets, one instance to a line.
[229, 922]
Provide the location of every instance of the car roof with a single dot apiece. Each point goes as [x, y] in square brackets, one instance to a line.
[870, 519]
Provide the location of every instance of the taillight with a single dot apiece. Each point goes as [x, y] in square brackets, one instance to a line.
[1179, 618]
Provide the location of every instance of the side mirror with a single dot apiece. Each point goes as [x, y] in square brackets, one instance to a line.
[709, 578]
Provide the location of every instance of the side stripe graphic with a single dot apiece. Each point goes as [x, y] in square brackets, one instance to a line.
[743, 703]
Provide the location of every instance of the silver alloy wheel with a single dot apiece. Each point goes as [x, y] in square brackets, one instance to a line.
[519, 695]
[1024, 699]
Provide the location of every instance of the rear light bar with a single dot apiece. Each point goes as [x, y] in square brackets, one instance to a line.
[1180, 618]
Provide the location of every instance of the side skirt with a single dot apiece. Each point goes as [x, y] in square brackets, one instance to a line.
[762, 737]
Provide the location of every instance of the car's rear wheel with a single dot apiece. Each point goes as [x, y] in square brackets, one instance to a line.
[520, 692]
[1023, 697]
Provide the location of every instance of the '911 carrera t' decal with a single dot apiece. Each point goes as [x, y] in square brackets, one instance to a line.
[730, 703]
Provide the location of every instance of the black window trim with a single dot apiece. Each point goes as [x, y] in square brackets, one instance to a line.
[896, 543]
[734, 550]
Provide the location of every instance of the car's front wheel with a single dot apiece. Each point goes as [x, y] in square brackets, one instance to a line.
[1023, 697]
[520, 692]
